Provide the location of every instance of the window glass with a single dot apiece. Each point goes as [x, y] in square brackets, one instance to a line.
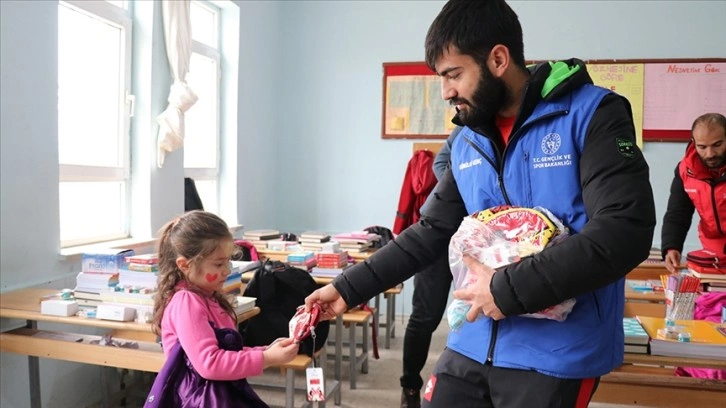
[204, 24]
[89, 91]
[200, 139]
[91, 209]
[207, 190]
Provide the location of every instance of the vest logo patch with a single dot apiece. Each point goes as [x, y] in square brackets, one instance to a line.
[471, 163]
[551, 143]
[626, 147]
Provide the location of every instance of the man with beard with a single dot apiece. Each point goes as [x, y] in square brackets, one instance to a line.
[539, 136]
[699, 184]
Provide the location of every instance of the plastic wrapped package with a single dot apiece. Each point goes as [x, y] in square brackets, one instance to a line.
[497, 237]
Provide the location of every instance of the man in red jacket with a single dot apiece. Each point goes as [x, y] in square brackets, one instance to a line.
[700, 184]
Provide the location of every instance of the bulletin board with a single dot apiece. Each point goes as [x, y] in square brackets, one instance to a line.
[666, 95]
[412, 104]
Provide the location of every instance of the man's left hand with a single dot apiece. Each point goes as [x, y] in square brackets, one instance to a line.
[479, 295]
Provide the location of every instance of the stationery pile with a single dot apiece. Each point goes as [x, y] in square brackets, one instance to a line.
[680, 293]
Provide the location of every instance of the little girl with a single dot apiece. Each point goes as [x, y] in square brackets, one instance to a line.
[206, 363]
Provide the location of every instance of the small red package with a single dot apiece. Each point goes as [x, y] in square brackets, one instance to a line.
[303, 322]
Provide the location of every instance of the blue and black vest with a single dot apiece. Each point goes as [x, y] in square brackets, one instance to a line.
[540, 167]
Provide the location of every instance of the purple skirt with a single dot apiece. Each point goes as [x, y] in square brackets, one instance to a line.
[179, 385]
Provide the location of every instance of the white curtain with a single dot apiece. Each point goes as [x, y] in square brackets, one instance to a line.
[178, 40]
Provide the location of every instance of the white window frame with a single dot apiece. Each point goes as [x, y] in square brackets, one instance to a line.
[207, 173]
[119, 17]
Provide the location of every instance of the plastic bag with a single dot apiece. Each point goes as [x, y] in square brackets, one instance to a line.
[498, 237]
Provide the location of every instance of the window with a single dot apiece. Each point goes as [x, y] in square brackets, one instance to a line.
[202, 128]
[94, 66]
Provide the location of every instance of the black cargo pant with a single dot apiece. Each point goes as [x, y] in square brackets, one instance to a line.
[430, 293]
[458, 381]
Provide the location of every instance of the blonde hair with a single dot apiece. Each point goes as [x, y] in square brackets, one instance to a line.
[194, 236]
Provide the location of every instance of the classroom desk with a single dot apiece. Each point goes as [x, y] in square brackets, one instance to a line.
[649, 270]
[24, 304]
[648, 380]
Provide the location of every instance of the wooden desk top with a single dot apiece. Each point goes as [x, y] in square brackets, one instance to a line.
[25, 304]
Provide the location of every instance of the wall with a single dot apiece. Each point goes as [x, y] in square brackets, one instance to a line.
[338, 174]
[309, 153]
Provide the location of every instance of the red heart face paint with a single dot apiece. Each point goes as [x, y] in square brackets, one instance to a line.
[211, 277]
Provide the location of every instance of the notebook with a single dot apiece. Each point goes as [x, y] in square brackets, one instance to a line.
[634, 332]
[706, 340]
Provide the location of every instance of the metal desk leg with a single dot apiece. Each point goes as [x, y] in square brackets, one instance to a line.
[377, 318]
[390, 317]
[338, 354]
[34, 372]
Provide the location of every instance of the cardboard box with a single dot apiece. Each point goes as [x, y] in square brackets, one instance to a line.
[105, 261]
[115, 312]
[57, 307]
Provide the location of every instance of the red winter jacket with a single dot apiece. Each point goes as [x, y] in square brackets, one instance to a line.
[417, 185]
[694, 187]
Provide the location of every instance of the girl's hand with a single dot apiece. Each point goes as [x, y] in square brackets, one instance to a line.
[279, 352]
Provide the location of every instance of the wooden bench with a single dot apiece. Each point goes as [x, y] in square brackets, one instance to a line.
[148, 357]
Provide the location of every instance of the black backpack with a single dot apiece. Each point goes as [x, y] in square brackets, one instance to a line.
[280, 289]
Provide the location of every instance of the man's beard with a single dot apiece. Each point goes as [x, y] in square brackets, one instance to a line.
[488, 99]
[714, 163]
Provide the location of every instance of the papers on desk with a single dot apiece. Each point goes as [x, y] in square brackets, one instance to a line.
[705, 339]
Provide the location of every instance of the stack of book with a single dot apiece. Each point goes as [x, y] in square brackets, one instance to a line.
[710, 285]
[304, 260]
[356, 241]
[139, 271]
[279, 245]
[330, 264]
[313, 240]
[688, 338]
[141, 300]
[259, 237]
[89, 286]
[636, 338]
[99, 272]
[242, 304]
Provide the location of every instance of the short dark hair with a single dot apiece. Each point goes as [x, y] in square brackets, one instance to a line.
[710, 120]
[475, 27]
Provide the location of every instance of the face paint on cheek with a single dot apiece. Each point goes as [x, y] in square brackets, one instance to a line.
[211, 277]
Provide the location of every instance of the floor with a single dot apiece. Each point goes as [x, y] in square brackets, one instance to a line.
[379, 388]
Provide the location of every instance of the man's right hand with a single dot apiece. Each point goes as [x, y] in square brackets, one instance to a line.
[330, 301]
[672, 260]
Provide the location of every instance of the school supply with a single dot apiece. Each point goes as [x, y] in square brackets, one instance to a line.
[499, 236]
[680, 294]
[692, 338]
[707, 259]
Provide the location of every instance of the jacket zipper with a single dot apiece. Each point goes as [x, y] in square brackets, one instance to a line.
[500, 178]
[715, 207]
